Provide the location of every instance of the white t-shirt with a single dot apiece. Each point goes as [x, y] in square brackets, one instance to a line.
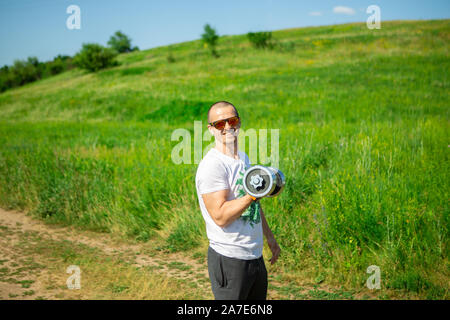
[243, 238]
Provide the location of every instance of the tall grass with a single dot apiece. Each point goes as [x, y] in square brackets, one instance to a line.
[363, 119]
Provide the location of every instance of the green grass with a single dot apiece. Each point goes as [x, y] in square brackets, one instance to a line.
[179, 266]
[363, 120]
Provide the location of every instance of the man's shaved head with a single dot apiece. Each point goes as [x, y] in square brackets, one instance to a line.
[219, 105]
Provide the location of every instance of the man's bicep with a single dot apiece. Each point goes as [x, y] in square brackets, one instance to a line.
[214, 200]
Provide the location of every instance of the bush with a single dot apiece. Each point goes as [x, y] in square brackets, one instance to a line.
[67, 61]
[5, 78]
[20, 73]
[56, 66]
[210, 38]
[261, 40]
[170, 58]
[25, 71]
[94, 57]
[121, 43]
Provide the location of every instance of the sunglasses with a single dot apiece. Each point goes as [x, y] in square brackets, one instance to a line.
[220, 124]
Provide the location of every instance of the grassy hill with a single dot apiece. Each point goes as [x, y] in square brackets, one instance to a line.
[363, 118]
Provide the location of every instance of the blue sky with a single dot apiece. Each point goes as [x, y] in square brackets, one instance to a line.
[38, 27]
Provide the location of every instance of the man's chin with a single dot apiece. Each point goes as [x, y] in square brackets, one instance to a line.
[229, 140]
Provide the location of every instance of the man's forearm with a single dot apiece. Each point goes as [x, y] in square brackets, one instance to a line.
[273, 245]
[265, 226]
[233, 209]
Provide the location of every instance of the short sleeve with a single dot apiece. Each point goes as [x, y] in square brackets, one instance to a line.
[211, 177]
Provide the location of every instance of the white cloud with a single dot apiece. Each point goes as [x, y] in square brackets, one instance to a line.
[344, 10]
[315, 13]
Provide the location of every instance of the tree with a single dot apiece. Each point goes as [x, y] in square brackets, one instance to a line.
[5, 78]
[56, 66]
[66, 60]
[23, 72]
[210, 38]
[121, 42]
[94, 57]
[26, 71]
[261, 40]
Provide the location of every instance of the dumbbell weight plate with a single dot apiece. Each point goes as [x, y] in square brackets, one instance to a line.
[259, 181]
[280, 181]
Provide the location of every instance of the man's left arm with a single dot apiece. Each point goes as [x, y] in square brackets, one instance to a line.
[273, 245]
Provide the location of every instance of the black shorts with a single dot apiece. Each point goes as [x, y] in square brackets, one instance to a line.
[237, 279]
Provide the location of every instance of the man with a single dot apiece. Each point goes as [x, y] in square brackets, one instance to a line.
[235, 222]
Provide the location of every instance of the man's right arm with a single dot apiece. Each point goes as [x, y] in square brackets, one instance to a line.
[224, 212]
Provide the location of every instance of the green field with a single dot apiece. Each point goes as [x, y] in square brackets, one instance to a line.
[364, 127]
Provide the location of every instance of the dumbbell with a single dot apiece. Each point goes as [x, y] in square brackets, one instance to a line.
[260, 181]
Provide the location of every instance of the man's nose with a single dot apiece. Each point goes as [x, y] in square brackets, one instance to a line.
[227, 125]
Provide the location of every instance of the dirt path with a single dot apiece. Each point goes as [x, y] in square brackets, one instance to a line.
[34, 255]
[15, 225]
